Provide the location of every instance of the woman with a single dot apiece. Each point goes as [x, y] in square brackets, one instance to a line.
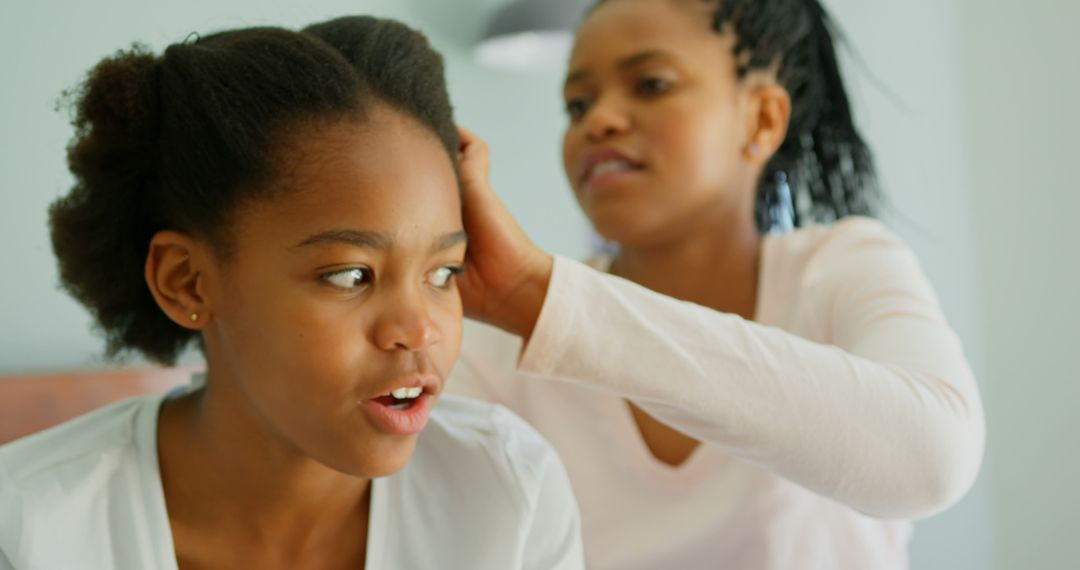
[728, 395]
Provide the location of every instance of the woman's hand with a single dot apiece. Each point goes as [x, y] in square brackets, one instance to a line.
[506, 275]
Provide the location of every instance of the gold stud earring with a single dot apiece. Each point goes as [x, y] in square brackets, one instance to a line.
[194, 317]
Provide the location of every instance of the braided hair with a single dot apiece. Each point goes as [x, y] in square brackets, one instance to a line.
[824, 159]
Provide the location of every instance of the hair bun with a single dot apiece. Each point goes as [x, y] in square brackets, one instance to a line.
[113, 160]
[121, 94]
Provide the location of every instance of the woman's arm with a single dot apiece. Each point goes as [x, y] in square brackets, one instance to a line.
[886, 418]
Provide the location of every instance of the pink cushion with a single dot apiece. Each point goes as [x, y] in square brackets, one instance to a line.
[33, 402]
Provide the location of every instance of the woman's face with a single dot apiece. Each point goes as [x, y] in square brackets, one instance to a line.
[339, 291]
[657, 122]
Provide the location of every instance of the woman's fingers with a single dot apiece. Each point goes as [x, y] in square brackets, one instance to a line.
[479, 197]
[472, 147]
[506, 274]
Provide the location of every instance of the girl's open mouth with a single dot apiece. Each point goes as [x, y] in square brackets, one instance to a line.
[401, 399]
[404, 411]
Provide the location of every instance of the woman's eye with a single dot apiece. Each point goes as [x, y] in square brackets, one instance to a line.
[351, 278]
[442, 276]
[576, 108]
[653, 86]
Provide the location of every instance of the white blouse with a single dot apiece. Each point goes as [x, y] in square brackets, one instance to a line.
[482, 491]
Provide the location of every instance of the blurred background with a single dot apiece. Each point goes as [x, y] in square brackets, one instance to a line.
[969, 105]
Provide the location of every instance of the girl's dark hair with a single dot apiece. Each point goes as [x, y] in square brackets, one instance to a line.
[398, 66]
[824, 158]
[179, 141]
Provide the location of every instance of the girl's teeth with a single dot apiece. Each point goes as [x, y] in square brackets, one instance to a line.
[407, 393]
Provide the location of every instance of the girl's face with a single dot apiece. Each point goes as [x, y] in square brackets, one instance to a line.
[339, 291]
[658, 122]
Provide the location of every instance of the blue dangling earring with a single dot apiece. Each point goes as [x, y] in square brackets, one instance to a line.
[782, 208]
[602, 247]
[775, 209]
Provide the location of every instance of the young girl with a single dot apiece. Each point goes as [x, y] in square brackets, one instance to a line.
[289, 200]
[731, 395]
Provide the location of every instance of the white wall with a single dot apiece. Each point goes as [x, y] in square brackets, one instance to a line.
[973, 157]
[1020, 66]
[905, 72]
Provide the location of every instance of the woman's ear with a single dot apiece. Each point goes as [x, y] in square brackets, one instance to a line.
[175, 272]
[767, 122]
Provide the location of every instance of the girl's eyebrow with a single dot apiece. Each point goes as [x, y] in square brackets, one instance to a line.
[450, 240]
[358, 238]
[375, 240]
[624, 63]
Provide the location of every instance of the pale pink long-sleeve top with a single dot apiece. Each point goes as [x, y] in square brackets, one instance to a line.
[843, 410]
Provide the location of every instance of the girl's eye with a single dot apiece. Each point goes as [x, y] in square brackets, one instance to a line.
[349, 279]
[653, 86]
[576, 108]
[442, 276]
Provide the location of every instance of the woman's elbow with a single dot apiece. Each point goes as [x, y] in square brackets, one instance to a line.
[944, 465]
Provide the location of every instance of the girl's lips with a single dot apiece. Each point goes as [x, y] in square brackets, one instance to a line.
[406, 421]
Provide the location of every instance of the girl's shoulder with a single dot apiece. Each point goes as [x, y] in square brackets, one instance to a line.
[61, 452]
[90, 468]
[479, 476]
[481, 441]
[490, 436]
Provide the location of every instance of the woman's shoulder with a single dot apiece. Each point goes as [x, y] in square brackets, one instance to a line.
[76, 445]
[853, 243]
[814, 266]
[835, 238]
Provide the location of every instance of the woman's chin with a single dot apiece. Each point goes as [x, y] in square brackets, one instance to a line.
[626, 229]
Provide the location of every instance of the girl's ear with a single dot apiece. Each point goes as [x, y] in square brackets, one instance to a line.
[175, 272]
[766, 122]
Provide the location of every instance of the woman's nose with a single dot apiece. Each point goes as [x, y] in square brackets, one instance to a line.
[605, 119]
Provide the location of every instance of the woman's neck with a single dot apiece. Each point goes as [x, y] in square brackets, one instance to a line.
[716, 268]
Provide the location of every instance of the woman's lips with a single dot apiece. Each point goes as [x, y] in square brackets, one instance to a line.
[604, 167]
[393, 419]
[610, 173]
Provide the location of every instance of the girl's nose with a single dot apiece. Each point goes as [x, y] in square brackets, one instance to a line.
[407, 325]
